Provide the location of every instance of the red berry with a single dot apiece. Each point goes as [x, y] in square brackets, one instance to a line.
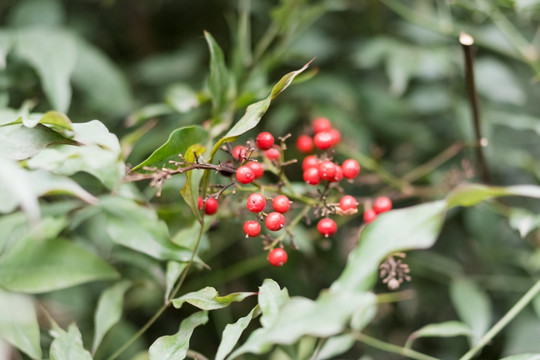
[211, 206]
[277, 257]
[310, 161]
[382, 204]
[256, 203]
[327, 170]
[257, 168]
[252, 228]
[281, 204]
[200, 203]
[311, 176]
[350, 168]
[274, 221]
[323, 140]
[321, 124]
[339, 174]
[336, 136]
[327, 227]
[245, 175]
[369, 215]
[265, 140]
[348, 202]
[304, 144]
[239, 152]
[272, 154]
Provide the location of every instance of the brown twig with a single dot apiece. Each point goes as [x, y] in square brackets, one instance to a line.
[467, 42]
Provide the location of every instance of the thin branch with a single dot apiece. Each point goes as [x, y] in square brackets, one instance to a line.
[467, 42]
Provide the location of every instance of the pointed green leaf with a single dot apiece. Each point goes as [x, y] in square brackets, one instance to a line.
[472, 194]
[336, 345]
[19, 142]
[109, 310]
[190, 190]
[255, 112]
[68, 345]
[19, 324]
[444, 329]
[54, 118]
[218, 82]
[181, 98]
[53, 54]
[271, 298]
[179, 141]
[14, 185]
[209, 299]
[232, 333]
[415, 227]
[40, 266]
[523, 357]
[472, 305]
[175, 347]
[139, 228]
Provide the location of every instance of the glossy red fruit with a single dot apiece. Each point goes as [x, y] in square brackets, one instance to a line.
[200, 203]
[239, 152]
[274, 221]
[326, 227]
[336, 136]
[311, 176]
[257, 168]
[281, 204]
[339, 174]
[348, 202]
[272, 154]
[382, 204]
[256, 202]
[211, 206]
[350, 168]
[321, 124]
[323, 140]
[369, 215]
[277, 257]
[252, 228]
[265, 140]
[245, 175]
[309, 162]
[327, 170]
[304, 144]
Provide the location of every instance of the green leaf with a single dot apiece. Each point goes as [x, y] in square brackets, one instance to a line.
[109, 310]
[139, 228]
[19, 324]
[6, 43]
[254, 112]
[190, 190]
[472, 194]
[45, 265]
[325, 317]
[104, 86]
[415, 227]
[271, 298]
[175, 347]
[444, 329]
[232, 333]
[209, 299]
[174, 270]
[98, 153]
[54, 118]
[178, 143]
[472, 305]
[19, 142]
[14, 185]
[497, 82]
[336, 345]
[181, 98]
[12, 227]
[218, 82]
[523, 221]
[68, 345]
[53, 54]
[523, 357]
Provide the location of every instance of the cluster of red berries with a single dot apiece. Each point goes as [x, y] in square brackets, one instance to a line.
[380, 205]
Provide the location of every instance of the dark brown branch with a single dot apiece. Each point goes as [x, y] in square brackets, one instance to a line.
[467, 42]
